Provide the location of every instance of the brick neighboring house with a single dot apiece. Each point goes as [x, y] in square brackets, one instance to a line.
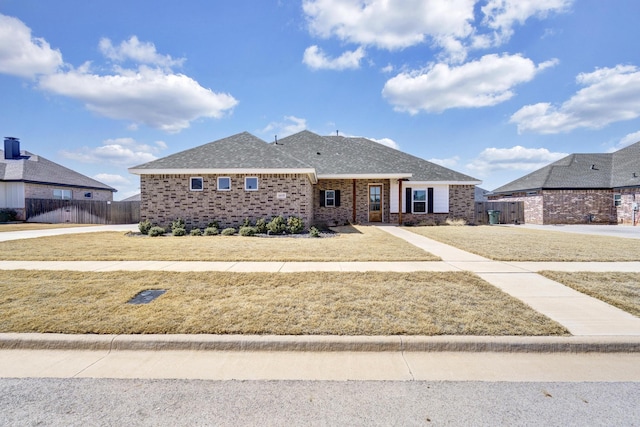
[24, 175]
[322, 179]
[580, 188]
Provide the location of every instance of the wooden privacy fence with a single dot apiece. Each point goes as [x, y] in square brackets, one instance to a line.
[510, 212]
[82, 211]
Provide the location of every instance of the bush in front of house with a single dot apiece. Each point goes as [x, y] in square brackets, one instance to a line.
[211, 231]
[261, 225]
[214, 224]
[230, 231]
[248, 231]
[178, 232]
[156, 231]
[8, 215]
[295, 225]
[178, 227]
[314, 232]
[145, 226]
[196, 232]
[277, 225]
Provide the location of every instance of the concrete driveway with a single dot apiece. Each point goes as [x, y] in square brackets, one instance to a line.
[625, 231]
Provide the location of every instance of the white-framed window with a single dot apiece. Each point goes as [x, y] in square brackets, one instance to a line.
[88, 195]
[224, 183]
[419, 201]
[196, 183]
[251, 183]
[330, 198]
[61, 194]
[617, 200]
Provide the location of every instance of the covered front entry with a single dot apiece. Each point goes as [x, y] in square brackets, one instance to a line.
[375, 203]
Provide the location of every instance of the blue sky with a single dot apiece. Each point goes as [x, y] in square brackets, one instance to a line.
[491, 88]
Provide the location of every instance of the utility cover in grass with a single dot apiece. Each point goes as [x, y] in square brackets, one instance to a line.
[145, 297]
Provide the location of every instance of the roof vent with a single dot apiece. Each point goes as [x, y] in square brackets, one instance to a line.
[593, 167]
[11, 148]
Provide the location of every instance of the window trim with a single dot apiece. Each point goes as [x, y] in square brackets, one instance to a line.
[218, 183]
[617, 200]
[332, 198]
[63, 191]
[192, 179]
[414, 201]
[251, 189]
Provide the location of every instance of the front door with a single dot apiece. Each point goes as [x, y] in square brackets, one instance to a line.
[375, 203]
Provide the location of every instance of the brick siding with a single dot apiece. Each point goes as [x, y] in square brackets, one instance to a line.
[165, 198]
[44, 191]
[461, 206]
[625, 212]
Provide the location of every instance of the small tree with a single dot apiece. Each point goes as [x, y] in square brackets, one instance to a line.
[277, 225]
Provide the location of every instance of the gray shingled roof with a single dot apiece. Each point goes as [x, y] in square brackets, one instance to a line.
[241, 151]
[328, 155]
[37, 169]
[583, 171]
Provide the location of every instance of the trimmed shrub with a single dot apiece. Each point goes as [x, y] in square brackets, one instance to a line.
[211, 231]
[8, 215]
[229, 231]
[314, 232]
[156, 231]
[178, 231]
[214, 224]
[277, 225]
[261, 225]
[178, 223]
[246, 223]
[295, 225]
[145, 226]
[248, 231]
[196, 232]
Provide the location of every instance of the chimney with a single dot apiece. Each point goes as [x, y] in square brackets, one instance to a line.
[11, 148]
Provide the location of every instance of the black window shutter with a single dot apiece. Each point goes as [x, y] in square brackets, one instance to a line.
[407, 200]
[429, 200]
[322, 198]
[337, 199]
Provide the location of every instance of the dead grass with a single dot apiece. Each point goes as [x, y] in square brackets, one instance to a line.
[621, 290]
[359, 243]
[519, 244]
[24, 226]
[264, 303]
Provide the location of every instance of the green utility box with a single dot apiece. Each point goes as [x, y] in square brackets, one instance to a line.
[494, 217]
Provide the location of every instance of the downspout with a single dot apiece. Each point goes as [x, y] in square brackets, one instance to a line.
[354, 202]
[399, 201]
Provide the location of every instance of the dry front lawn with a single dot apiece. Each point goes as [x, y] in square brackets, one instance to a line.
[621, 290]
[264, 303]
[520, 244]
[358, 243]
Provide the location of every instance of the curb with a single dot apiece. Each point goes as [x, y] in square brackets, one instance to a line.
[310, 343]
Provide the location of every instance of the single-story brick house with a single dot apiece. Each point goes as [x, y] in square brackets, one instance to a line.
[24, 175]
[321, 179]
[580, 188]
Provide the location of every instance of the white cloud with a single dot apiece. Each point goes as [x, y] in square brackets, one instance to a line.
[148, 96]
[120, 152]
[447, 163]
[316, 59]
[610, 95]
[289, 126]
[23, 55]
[111, 179]
[502, 15]
[139, 52]
[627, 140]
[514, 158]
[488, 81]
[386, 24]
[450, 26]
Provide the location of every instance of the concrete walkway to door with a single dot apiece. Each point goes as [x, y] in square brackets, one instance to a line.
[579, 313]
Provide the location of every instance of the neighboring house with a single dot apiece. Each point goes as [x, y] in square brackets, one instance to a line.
[481, 194]
[322, 180]
[580, 188]
[25, 175]
[134, 198]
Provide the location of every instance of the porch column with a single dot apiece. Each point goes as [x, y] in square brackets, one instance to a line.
[354, 203]
[399, 201]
